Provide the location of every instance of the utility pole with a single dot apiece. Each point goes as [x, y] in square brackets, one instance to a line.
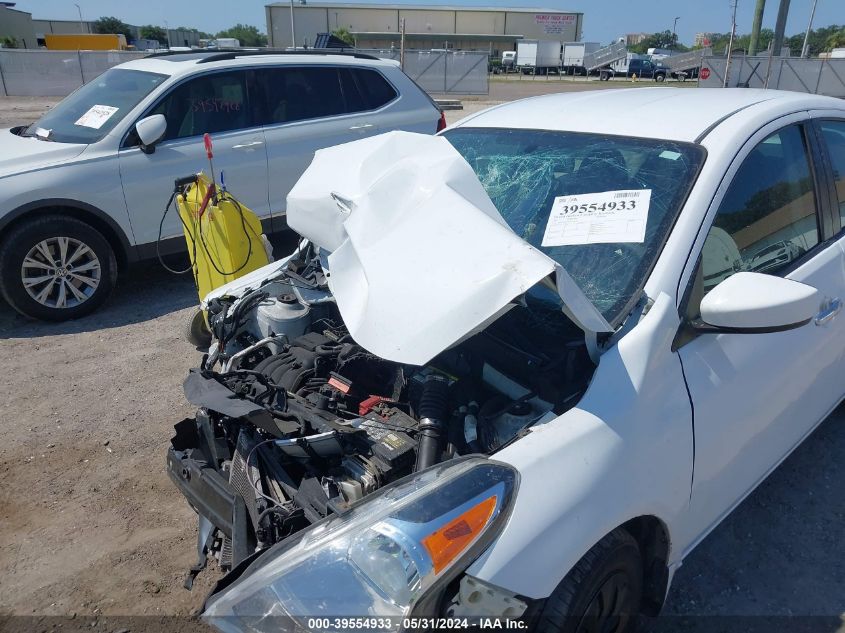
[730, 46]
[777, 41]
[292, 27]
[805, 50]
[755, 27]
[82, 27]
[402, 43]
[780, 27]
[674, 27]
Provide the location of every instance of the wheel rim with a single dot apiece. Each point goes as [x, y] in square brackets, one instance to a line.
[60, 272]
[608, 611]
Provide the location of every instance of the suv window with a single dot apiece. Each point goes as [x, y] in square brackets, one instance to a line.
[213, 103]
[375, 88]
[297, 93]
[770, 202]
[834, 136]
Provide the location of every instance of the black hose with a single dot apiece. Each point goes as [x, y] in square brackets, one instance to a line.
[187, 232]
[432, 412]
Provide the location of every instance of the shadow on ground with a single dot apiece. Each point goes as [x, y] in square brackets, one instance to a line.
[146, 292]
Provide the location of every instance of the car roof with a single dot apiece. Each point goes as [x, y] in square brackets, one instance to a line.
[188, 63]
[679, 114]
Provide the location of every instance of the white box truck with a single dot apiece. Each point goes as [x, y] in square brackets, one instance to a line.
[573, 56]
[538, 56]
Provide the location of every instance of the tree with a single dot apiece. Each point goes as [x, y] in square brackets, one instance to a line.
[664, 39]
[153, 32]
[246, 35]
[7, 41]
[343, 33]
[113, 26]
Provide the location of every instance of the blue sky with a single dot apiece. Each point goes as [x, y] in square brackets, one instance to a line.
[603, 19]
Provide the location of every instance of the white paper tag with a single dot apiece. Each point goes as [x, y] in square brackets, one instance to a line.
[598, 218]
[96, 116]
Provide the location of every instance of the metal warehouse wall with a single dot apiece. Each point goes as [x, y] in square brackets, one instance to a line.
[312, 19]
[17, 24]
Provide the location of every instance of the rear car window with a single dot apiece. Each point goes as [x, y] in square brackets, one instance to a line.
[375, 89]
[298, 93]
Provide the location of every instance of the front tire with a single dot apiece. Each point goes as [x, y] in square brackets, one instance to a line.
[602, 592]
[56, 268]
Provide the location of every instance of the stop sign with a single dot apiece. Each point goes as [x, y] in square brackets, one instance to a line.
[705, 73]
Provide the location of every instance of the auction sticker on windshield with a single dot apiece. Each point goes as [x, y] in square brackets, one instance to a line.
[96, 116]
[598, 218]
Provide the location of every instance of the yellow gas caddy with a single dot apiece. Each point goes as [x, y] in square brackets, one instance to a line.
[224, 239]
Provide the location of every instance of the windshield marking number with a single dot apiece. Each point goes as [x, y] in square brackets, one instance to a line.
[96, 116]
[598, 218]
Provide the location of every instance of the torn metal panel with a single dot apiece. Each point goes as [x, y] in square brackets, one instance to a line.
[420, 257]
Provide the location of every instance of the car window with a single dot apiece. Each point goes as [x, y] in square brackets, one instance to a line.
[298, 93]
[213, 103]
[528, 173]
[834, 136]
[375, 88]
[92, 111]
[767, 218]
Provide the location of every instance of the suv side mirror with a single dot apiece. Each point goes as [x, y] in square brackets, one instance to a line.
[150, 131]
[756, 302]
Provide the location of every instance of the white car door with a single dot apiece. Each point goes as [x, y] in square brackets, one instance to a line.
[310, 108]
[756, 396]
[218, 103]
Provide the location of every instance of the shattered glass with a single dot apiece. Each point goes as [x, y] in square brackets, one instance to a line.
[523, 171]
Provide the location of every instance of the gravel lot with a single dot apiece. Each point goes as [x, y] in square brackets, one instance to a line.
[90, 525]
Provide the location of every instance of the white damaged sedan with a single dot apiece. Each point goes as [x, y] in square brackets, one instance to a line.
[521, 369]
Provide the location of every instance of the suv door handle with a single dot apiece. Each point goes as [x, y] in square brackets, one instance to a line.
[363, 126]
[829, 312]
[248, 146]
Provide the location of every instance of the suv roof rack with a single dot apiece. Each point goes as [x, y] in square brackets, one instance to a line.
[216, 55]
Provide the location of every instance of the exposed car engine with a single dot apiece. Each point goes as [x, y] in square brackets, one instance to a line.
[296, 421]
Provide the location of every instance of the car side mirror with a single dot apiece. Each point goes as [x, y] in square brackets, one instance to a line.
[150, 131]
[749, 302]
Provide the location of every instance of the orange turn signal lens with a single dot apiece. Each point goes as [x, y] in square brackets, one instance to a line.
[446, 543]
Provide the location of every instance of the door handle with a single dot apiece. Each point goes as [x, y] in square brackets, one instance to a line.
[829, 311]
[250, 145]
[363, 126]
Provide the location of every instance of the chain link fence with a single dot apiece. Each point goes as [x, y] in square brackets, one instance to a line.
[443, 72]
[817, 76]
[44, 73]
[54, 73]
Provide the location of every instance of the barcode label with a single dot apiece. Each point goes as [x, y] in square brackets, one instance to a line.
[605, 217]
[626, 194]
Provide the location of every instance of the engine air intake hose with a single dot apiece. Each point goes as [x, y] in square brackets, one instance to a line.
[432, 412]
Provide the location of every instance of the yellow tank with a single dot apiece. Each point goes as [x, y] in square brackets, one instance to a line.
[224, 238]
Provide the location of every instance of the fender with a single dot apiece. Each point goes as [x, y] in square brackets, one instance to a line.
[625, 451]
[124, 250]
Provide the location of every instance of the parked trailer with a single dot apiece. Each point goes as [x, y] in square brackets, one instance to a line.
[685, 65]
[538, 56]
[599, 61]
[573, 56]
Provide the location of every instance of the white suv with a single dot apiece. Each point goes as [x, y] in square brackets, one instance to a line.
[84, 188]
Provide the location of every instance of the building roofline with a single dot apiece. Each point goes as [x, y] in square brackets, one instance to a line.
[418, 7]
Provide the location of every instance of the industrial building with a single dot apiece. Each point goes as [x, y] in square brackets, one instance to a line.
[29, 32]
[492, 29]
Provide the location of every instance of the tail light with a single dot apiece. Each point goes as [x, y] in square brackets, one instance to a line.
[441, 124]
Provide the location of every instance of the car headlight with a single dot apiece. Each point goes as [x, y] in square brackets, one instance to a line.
[380, 559]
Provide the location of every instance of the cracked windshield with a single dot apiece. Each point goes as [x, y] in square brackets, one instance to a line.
[541, 180]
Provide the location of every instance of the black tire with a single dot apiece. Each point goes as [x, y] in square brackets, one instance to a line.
[660, 77]
[99, 266]
[197, 332]
[602, 592]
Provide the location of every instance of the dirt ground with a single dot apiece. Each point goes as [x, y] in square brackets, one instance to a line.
[90, 525]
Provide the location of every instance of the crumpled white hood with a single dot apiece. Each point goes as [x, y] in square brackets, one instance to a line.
[420, 257]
